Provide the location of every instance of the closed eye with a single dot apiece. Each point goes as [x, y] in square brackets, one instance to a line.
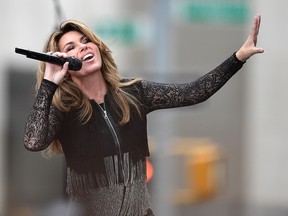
[69, 48]
[85, 40]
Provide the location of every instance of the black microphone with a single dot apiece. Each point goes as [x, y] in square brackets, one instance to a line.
[74, 63]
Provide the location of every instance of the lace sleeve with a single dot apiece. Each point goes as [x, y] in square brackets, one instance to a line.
[160, 96]
[44, 119]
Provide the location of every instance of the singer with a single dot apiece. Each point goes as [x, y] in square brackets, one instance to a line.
[97, 119]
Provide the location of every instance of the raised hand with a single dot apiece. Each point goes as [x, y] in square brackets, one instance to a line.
[249, 48]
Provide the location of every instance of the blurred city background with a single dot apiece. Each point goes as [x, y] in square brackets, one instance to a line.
[224, 157]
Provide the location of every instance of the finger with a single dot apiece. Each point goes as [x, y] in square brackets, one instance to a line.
[59, 54]
[66, 66]
[255, 29]
[255, 26]
[259, 18]
[258, 24]
[64, 69]
[259, 50]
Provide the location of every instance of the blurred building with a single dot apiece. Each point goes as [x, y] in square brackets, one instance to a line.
[166, 41]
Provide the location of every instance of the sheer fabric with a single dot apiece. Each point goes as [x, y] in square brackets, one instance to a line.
[113, 183]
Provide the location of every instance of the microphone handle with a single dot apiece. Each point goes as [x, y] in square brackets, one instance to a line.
[74, 64]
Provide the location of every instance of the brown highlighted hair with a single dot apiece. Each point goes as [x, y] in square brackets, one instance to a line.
[68, 95]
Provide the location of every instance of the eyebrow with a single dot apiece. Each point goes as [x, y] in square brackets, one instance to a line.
[69, 43]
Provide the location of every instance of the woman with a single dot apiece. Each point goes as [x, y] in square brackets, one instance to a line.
[98, 120]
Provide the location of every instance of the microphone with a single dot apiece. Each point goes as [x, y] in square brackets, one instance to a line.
[74, 63]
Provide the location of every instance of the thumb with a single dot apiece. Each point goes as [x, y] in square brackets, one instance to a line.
[259, 50]
[65, 66]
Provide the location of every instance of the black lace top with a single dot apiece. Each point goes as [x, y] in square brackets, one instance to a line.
[106, 162]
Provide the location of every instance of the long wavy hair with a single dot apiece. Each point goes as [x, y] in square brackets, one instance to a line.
[68, 95]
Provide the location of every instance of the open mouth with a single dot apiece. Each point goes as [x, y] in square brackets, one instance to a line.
[87, 57]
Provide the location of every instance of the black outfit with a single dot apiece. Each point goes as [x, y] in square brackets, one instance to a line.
[106, 162]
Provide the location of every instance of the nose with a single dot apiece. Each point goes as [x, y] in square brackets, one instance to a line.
[82, 47]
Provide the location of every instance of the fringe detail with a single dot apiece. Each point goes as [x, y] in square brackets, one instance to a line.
[134, 171]
[106, 193]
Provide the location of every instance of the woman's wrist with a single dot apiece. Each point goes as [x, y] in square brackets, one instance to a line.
[50, 82]
[240, 56]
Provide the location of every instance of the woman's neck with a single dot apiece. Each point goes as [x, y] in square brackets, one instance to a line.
[94, 87]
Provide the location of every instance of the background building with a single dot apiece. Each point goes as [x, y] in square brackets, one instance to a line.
[166, 41]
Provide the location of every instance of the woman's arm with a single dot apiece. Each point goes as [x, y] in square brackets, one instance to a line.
[44, 119]
[160, 96]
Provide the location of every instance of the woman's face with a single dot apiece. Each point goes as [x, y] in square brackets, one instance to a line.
[78, 45]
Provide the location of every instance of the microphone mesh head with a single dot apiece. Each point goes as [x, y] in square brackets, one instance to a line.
[74, 63]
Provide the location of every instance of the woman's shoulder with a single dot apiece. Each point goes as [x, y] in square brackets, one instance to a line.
[131, 82]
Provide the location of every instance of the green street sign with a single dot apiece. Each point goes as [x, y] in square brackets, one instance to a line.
[212, 11]
[122, 30]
